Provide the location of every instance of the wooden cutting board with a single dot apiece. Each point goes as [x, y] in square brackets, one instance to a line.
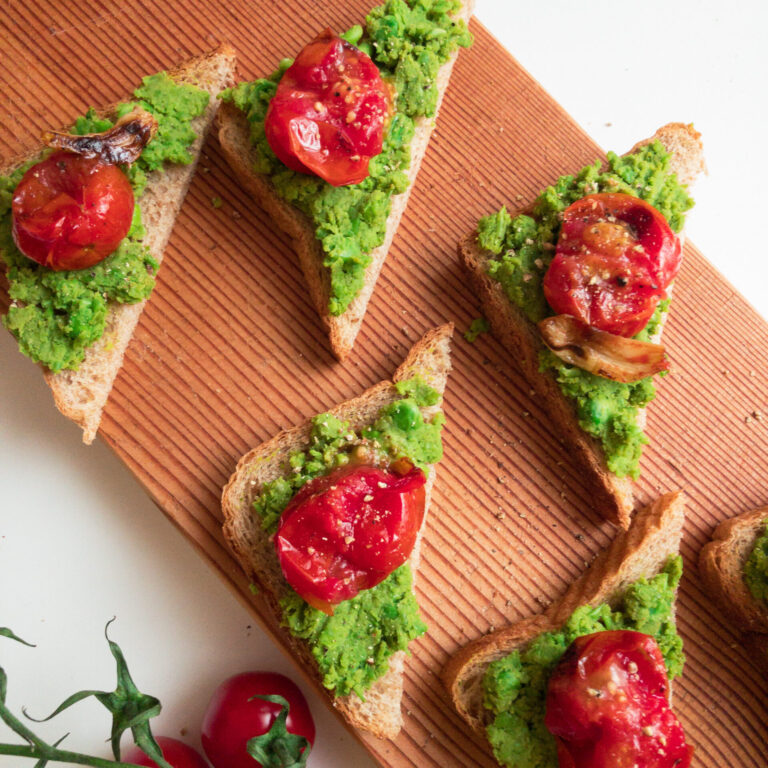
[229, 350]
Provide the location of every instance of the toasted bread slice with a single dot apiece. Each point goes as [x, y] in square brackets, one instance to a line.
[237, 148]
[430, 359]
[81, 394]
[640, 551]
[612, 495]
[721, 565]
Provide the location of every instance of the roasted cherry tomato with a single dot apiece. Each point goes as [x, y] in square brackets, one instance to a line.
[70, 212]
[615, 257]
[348, 531]
[608, 705]
[235, 716]
[175, 752]
[329, 112]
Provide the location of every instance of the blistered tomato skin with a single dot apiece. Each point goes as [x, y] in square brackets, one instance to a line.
[349, 530]
[235, 715]
[70, 212]
[616, 256]
[608, 705]
[329, 112]
[175, 752]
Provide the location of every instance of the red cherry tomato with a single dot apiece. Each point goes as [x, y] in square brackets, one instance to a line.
[328, 114]
[608, 705]
[348, 531]
[234, 716]
[615, 257]
[70, 212]
[175, 752]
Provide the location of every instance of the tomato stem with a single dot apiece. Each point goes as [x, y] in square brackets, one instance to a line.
[60, 756]
[285, 755]
[18, 727]
[278, 747]
[130, 709]
[39, 750]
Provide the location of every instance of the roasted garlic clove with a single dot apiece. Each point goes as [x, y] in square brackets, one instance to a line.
[121, 144]
[604, 354]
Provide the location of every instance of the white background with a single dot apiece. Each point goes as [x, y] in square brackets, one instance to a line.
[81, 542]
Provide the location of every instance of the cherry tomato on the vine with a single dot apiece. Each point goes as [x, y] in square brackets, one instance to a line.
[608, 705]
[235, 716]
[71, 212]
[329, 112]
[615, 257]
[349, 530]
[175, 752]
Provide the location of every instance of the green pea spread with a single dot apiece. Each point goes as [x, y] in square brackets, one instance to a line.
[56, 316]
[408, 41]
[478, 326]
[352, 647]
[524, 247]
[515, 686]
[756, 568]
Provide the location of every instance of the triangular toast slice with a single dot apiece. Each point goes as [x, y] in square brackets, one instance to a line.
[613, 495]
[721, 565]
[430, 360]
[237, 148]
[81, 394]
[639, 552]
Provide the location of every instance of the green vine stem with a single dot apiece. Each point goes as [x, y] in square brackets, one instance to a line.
[61, 756]
[39, 750]
[130, 709]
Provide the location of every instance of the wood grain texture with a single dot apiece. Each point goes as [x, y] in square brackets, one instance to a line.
[229, 350]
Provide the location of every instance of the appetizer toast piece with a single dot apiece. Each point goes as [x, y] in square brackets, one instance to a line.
[642, 551]
[722, 564]
[429, 360]
[343, 328]
[82, 393]
[521, 338]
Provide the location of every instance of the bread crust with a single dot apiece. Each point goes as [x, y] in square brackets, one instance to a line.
[721, 566]
[380, 712]
[81, 394]
[235, 143]
[613, 496]
[640, 551]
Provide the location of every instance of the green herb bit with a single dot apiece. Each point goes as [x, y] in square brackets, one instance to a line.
[479, 325]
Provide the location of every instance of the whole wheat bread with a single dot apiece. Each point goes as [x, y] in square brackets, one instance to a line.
[721, 565]
[640, 551]
[430, 359]
[234, 135]
[613, 495]
[81, 394]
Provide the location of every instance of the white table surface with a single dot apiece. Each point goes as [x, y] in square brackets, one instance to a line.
[80, 541]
